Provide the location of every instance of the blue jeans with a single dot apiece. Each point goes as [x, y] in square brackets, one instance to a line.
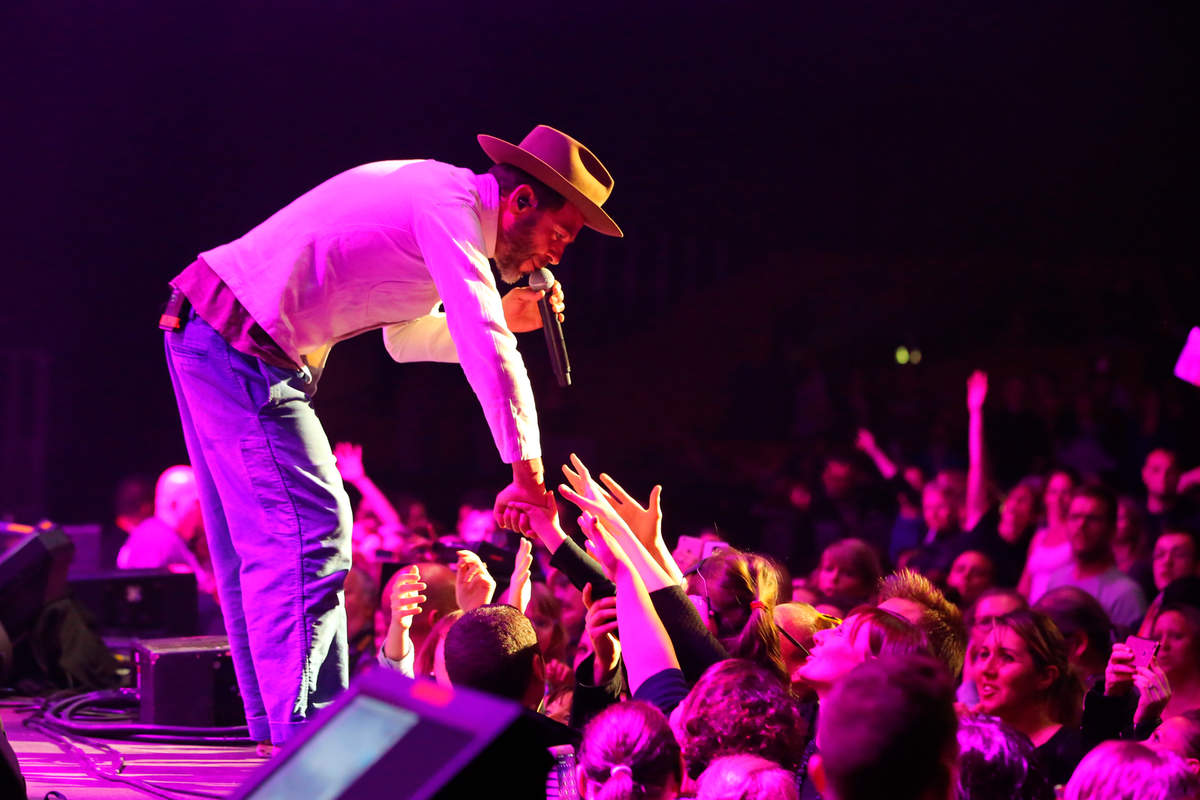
[278, 524]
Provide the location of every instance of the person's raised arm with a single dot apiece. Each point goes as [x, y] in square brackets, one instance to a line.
[473, 584]
[350, 466]
[594, 500]
[519, 587]
[977, 499]
[645, 522]
[406, 600]
[646, 646]
[541, 520]
[865, 441]
[651, 573]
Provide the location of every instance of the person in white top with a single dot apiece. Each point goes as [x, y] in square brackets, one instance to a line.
[398, 245]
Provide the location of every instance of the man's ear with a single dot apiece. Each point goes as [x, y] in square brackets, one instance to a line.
[816, 771]
[522, 199]
[433, 616]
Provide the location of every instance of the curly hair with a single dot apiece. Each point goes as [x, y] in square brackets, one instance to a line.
[738, 706]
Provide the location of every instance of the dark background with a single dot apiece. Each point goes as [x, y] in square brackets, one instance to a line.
[803, 186]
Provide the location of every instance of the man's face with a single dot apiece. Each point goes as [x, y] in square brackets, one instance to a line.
[970, 574]
[1160, 474]
[530, 238]
[1089, 529]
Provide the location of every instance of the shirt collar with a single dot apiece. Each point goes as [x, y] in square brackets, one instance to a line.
[489, 210]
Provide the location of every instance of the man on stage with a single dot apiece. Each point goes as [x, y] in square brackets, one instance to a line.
[248, 331]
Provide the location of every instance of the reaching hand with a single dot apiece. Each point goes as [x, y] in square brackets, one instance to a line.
[540, 520]
[521, 312]
[406, 597]
[600, 626]
[506, 514]
[646, 523]
[406, 603]
[519, 587]
[601, 545]
[977, 389]
[349, 461]
[1154, 692]
[591, 498]
[473, 584]
[581, 481]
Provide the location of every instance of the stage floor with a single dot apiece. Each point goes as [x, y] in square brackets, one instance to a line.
[200, 770]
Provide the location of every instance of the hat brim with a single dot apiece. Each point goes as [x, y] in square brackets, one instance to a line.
[502, 152]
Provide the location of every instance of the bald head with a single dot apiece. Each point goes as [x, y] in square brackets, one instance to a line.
[175, 494]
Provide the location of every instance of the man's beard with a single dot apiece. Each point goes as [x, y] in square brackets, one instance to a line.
[518, 248]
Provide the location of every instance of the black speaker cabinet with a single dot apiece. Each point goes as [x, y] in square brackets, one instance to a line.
[390, 736]
[188, 682]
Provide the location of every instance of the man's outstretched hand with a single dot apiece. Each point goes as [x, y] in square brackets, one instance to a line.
[527, 487]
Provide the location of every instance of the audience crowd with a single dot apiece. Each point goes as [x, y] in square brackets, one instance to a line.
[905, 630]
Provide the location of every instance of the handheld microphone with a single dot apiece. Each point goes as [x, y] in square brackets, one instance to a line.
[543, 280]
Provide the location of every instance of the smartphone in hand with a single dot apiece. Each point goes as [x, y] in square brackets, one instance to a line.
[1143, 649]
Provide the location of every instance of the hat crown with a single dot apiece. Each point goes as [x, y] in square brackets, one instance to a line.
[570, 159]
[564, 165]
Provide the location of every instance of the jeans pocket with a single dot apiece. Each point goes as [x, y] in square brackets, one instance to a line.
[180, 347]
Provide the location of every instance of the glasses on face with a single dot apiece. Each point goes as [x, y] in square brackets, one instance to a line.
[783, 632]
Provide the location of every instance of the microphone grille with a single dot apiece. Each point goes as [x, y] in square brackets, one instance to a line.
[541, 280]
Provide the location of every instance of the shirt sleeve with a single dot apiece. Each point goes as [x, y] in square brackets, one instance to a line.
[695, 647]
[451, 242]
[665, 690]
[406, 665]
[422, 339]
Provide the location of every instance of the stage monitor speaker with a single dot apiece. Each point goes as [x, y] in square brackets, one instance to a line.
[188, 682]
[390, 736]
[140, 602]
[33, 574]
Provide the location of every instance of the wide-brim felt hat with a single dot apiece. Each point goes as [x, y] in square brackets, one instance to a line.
[564, 165]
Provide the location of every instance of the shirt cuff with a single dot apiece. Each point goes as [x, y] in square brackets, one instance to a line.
[404, 665]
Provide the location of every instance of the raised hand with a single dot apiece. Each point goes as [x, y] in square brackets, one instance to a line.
[977, 389]
[349, 461]
[600, 626]
[581, 481]
[406, 603]
[865, 441]
[646, 523]
[473, 584]
[601, 544]
[406, 597]
[519, 587]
